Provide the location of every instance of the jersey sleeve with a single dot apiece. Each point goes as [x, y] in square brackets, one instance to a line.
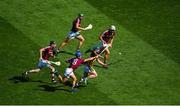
[82, 60]
[104, 33]
[70, 60]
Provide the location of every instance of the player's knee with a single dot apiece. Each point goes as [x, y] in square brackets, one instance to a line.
[75, 79]
[107, 53]
[92, 76]
[82, 40]
[65, 79]
[64, 43]
[52, 69]
[95, 74]
[56, 73]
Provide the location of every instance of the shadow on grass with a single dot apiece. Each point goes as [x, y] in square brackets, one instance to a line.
[17, 79]
[66, 52]
[50, 87]
[22, 79]
[53, 88]
[110, 64]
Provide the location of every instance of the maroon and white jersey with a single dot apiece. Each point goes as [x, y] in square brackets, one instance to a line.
[107, 36]
[48, 52]
[76, 21]
[75, 62]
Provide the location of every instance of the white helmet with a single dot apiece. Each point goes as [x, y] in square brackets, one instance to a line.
[112, 27]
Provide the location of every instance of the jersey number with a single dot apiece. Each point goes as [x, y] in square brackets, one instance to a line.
[75, 61]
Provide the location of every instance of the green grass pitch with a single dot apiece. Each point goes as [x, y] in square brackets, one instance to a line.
[147, 71]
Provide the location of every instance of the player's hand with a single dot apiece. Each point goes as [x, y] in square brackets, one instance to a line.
[110, 45]
[96, 56]
[105, 66]
[88, 27]
[84, 29]
[48, 62]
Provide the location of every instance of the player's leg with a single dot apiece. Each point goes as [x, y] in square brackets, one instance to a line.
[100, 61]
[71, 35]
[58, 76]
[93, 74]
[67, 73]
[74, 80]
[65, 79]
[25, 74]
[81, 41]
[52, 73]
[33, 71]
[85, 74]
[41, 64]
[65, 42]
[107, 53]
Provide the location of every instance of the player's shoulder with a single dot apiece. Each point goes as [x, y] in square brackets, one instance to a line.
[80, 59]
[105, 32]
[77, 19]
[71, 58]
[48, 47]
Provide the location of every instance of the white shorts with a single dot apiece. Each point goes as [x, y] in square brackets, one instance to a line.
[68, 72]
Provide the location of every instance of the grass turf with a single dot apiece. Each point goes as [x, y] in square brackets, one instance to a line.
[146, 72]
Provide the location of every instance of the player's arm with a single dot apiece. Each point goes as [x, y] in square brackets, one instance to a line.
[69, 60]
[40, 52]
[111, 42]
[91, 58]
[100, 62]
[78, 26]
[95, 53]
[101, 37]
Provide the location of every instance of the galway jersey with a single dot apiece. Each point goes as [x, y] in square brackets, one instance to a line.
[75, 63]
[48, 52]
[76, 21]
[107, 36]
